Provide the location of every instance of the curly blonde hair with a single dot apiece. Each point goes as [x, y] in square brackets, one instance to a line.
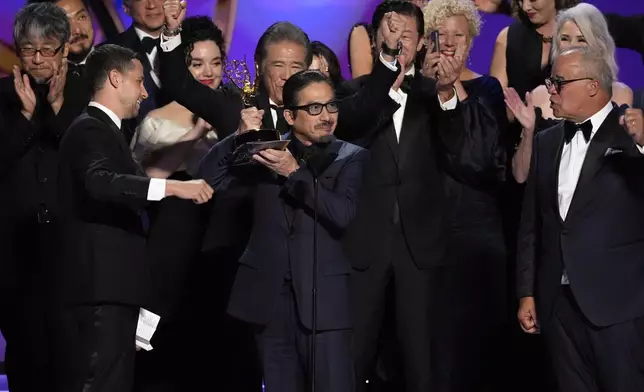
[436, 11]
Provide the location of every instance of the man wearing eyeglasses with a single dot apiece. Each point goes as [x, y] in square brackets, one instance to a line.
[581, 243]
[273, 285]
[34, 116]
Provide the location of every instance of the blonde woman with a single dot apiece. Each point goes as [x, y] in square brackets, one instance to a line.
[470, 289]
[581, 25]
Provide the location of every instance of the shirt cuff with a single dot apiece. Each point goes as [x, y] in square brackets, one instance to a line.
[449, 105]
[396, 96]
[392, 66]
[156, 190]
[170, 44]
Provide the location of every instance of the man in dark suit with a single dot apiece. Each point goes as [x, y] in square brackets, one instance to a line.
[580, 263]
[273, 286]
[103, 276]
[35, 113]
[143, 38]
[399, 233]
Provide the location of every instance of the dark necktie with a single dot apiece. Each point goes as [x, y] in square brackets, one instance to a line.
[149, 44]
[406, 84]
[571, 129]
[282, 126]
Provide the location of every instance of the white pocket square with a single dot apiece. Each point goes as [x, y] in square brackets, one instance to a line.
[612, 151]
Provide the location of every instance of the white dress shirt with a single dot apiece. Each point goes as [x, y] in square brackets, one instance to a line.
[273, 112]
[152, 56]
[400, 97]
[156, 190]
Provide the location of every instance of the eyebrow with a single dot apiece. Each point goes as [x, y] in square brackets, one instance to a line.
[80, 11]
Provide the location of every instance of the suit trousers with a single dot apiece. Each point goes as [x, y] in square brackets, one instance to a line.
[587, 358]
[103, 341]
[411, 289]
[284, 346]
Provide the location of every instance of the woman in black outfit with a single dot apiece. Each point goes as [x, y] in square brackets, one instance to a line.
[471, 305]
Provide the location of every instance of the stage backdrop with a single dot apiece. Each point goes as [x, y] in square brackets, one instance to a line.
[326, 20]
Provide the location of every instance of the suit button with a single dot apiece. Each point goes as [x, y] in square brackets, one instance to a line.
[398, 182]
[43, 180]
[565, 232]
[40, 150]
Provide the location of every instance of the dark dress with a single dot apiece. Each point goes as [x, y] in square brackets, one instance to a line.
[471, 287]
[523, 58]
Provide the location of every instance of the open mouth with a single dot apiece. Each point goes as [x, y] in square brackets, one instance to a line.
[207, 82]
[449, 53]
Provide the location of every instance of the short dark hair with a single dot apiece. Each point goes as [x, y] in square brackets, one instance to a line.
[399, 7]
[335, 73]
[299, 81]
[44, 20]
[104, 59]
[198, 29]
[280, 32]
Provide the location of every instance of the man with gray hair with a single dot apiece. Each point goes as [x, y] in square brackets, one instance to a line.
[580, 265]
[34, 115]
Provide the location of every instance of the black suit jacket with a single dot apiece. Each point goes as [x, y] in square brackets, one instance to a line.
[601, 242]
[411, 173]
[103, 192]
[129, 39]
[281, 242]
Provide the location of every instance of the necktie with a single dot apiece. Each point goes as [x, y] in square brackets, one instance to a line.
[149, 44]
[282, 126]
[406, 84]
[571, 129]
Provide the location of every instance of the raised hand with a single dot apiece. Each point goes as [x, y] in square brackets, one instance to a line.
[251, 120]
[25, 93]
[449, 71]
[523, 112]
[633, 122]
[393, 28]
[175, 13]
[401, 77]
[57, 86]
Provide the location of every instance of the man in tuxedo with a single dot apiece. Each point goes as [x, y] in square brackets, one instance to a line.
[143, 38]
[580, 264]
[35, 114]
[273, 285]
[103, 275]
[399, 234]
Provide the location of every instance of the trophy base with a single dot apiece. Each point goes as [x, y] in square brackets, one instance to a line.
[250, 143]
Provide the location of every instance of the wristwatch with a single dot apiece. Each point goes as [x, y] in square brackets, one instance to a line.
[391, 52]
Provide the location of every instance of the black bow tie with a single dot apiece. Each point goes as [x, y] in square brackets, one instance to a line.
[405, 86]
[149, 44]
[76, 69]
[571, 129]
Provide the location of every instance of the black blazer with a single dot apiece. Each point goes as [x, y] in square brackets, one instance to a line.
[412, 171]
[129, 39]
[601, 242]
[103, 192]
[281, 241]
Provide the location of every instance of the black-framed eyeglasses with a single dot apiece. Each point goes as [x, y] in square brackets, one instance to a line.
[558, 83]
[44, 52]
[314, 109]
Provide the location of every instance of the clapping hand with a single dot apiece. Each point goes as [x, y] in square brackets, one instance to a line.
[25, 93]
[633, 122]
[523, 112]
[57, 86]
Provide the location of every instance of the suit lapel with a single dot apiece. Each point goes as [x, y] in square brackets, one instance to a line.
[593, 162]
[558, 141]
[137, 46]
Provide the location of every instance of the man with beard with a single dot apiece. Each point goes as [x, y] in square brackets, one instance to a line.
[143, 37]
[103, 276]
[35, 115]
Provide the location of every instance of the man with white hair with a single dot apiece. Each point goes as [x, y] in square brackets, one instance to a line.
[581, 244]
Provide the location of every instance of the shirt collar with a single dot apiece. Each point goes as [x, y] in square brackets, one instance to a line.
[598, 118]
[411, 71]
[107, 111]
[85, 59]
[142, 34]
